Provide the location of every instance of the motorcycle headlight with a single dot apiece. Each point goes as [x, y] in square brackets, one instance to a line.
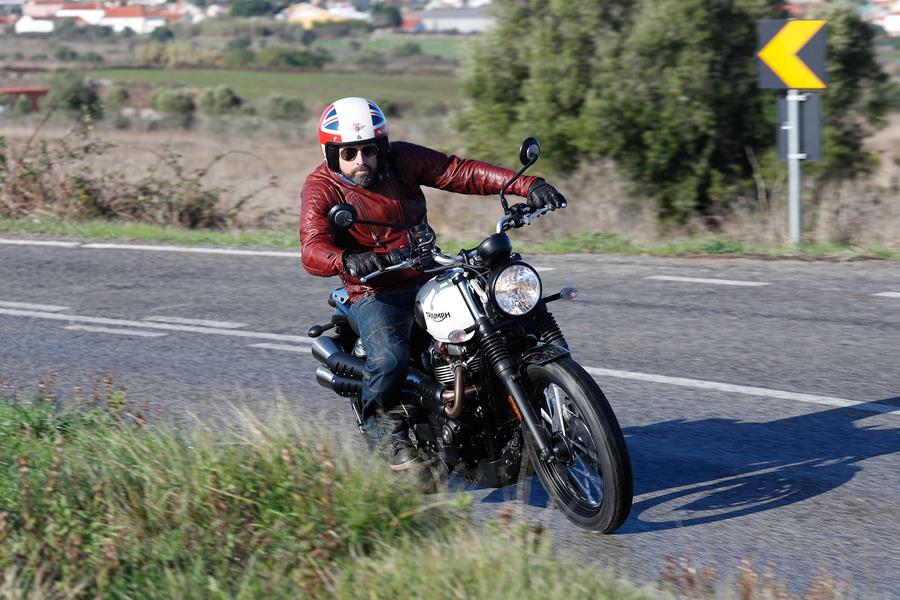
[517, 289]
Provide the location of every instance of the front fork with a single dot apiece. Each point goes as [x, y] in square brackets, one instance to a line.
[494, 348]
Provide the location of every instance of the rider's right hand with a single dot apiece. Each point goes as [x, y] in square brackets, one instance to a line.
[364, 263]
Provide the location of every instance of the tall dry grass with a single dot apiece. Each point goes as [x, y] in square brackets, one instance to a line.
[242, 164]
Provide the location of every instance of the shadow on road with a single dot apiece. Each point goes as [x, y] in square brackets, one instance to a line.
[695, 472]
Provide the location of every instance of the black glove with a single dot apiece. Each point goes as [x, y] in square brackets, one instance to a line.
[541, 194]
[397, 256]
[364, 263]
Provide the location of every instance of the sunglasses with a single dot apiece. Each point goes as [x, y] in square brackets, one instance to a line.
[367, 151]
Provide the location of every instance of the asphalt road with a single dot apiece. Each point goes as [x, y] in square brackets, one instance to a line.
[762, 414]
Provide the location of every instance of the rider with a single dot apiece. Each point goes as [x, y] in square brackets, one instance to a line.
[382, 181]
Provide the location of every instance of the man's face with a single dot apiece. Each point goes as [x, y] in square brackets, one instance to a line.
[359, 163]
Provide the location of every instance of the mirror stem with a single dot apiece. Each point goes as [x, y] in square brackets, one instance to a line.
[506, 185]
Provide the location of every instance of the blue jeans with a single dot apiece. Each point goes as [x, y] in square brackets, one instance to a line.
[383, 321]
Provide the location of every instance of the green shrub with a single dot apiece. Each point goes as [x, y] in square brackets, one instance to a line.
[284, 108]
[251, 8]
[408, 49]
[235, 59]
[64, 53]
[75, 95]
[116, 97]
[177, 105]
[219, 101]
[91, 57]
[162, 35]
[280, 56]
[241, 42]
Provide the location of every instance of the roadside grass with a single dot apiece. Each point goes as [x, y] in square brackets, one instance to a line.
[585, 243]
[95, 503]
[318, 88]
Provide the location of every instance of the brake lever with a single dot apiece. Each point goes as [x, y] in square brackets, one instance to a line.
[397, 267]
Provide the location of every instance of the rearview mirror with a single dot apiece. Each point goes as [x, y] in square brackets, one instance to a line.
[529, 151]
[342, 216]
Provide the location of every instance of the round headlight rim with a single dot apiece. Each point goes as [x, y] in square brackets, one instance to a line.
[496, 275]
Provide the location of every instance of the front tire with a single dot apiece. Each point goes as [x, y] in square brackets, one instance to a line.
[593, 487]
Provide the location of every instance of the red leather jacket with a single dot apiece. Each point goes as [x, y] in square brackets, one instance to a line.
[395, 198]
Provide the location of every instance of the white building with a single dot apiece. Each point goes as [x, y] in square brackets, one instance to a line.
[89, 12]
[29, 24]
[139, 19]
[463, 20]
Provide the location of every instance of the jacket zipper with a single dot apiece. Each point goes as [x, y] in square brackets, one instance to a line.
[375, 238]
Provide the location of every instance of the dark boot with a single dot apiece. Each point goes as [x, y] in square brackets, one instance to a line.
[389, 433]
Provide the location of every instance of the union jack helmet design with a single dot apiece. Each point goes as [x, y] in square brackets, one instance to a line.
[351, 121]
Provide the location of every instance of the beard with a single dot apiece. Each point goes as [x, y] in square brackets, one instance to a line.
[363, 176]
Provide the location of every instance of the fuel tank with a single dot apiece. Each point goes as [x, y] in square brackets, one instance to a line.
[440, 308]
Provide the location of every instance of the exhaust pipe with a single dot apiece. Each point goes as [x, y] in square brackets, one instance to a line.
[343, 386]
[342, 364]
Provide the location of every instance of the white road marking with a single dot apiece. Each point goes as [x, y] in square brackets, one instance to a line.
[597, 371]
[200, 322]
[888, 294]
[136, 332]
[707, 280]
[59, 244]
[279, 337]
[743, 389]
[285, 347]
[30, 306]
[191, 249]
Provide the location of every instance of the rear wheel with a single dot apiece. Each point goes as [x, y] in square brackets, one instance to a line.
[591, 482]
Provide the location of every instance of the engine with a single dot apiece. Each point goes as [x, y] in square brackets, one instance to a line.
[443, 358]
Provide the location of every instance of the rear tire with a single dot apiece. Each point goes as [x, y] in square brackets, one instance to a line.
[594, 489]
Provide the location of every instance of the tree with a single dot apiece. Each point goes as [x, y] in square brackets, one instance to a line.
[386, 15]
[667, 88]
[858, 96]
[75, 95]
[219, 101]
[251, 8]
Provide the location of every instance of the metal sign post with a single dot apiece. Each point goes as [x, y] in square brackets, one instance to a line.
[792, 57]
[794, 156]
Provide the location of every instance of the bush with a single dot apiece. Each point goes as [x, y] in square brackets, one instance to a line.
[91, 57]
[408, 49]
[284, 108]
[64, 53]
[162, 35]
[251, 8]
[241, 42]
[236, 59]
[280, 56]
[116, 97]
[177, 105]
[75, 95]
[219, 101]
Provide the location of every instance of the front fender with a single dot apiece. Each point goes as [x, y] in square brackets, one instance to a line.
[542, 354]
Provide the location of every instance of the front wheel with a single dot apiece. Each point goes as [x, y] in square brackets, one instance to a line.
[591, 478]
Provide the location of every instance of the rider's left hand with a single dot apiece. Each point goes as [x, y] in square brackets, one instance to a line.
[543, 195]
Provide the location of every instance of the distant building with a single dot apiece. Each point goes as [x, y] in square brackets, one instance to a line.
[89, 12]
[139, 19]
[41, 9]
[29, 24]
[462, 20]
[308, 16]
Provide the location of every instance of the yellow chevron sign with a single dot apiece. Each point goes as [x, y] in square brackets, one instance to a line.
[792, 54]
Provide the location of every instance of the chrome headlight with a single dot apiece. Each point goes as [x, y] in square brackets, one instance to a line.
[517, 289]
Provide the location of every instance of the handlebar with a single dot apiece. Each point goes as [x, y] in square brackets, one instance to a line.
[519, 215]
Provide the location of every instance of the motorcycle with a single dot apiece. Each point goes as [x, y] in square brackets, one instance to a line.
[491, 375]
